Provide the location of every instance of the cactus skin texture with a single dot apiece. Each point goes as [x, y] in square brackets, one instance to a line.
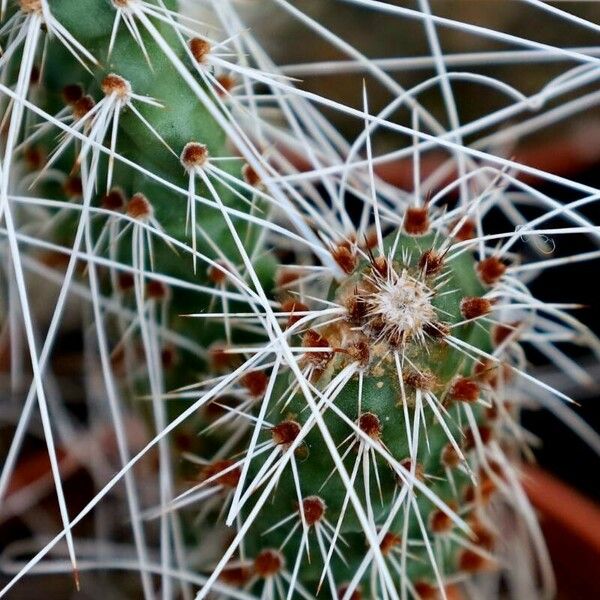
[177, 119]
[396, 315]
[372, 460]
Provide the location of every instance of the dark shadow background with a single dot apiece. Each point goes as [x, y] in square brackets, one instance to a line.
[562, 452]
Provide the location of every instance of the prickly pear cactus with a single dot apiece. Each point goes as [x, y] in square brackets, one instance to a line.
[333, 392]
[403, 404]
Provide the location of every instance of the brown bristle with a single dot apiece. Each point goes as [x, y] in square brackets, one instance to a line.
[377, 324]
[472, 562]
[125, 282]
[72, 187]
[343, 589]
[369, 241]
[395, 338]
[31, 6]
[314, 509]
[357, 309]
[194, 155]
[250, 176]
[345, 258]
[490, 270]
[491, 373]
[236, 576]
[416, 220]
[483, 492]
[492, 412]
[156, 290]
[225, 84]
[82, 107]
[293, 306]
[168, 357]
[437, 330]
[424, 380]
[35, 157]
[465, 232]
[217, 275]
[268, 563]
[302, 452]
[360, 352]
[34, 77]
[113, 200]
[200, 49]
[285, 432]
[313, 339]
[56, 260]
[502, 332]
[494, 467]
[370, 424]
[473, 307]
[485, 370]
[256, 383]
[286, 277]
[72, 93]
[450, 457]
[485, 433]
[431, 262]
[115, 84]
[439, 521]
[425, 591]
[348, 243]
[184, 441]
[119, 355]
[220, 360]
[117, 358]
[389, 542]
[380, 265]
[464, 389]
[482, 535]
[139, 207]
[230, 479]
[218, 407]
[419, 471]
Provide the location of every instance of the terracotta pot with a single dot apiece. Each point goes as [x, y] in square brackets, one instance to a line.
[571, 525]
[32, 479]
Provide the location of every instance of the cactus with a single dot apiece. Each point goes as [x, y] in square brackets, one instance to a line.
[354, 430]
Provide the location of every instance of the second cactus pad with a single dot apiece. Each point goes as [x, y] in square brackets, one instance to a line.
[390, 374]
